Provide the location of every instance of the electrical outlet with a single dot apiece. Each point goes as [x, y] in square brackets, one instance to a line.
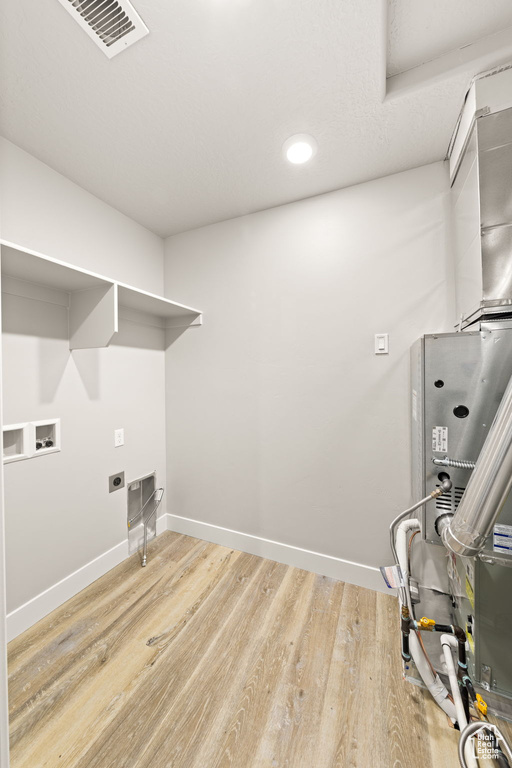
[118, 437]
[115, 482]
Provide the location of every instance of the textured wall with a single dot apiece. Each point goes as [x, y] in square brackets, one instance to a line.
[46, 212]
[282, 423]
[59, 514]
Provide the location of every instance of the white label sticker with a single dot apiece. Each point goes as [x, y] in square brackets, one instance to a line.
[502, 538]
[415, 405]
[392, 575]
[440, 439]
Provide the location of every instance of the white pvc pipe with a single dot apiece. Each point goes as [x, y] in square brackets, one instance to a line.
[448, 642]
[432, 681]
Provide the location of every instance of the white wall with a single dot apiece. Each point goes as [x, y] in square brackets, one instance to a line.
[4, 700]
[282, 423]
[44, 211]
[59, 514]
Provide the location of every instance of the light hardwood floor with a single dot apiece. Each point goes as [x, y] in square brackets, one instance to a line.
[210, 658]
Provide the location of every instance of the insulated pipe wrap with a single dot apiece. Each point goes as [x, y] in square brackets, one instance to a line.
[487, 489]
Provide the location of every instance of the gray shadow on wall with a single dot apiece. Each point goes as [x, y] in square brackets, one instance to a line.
[48, 325]
[137, 335]
[87, 364]
[53, 359]
[132, 334]
[28, 317]
[172, 334]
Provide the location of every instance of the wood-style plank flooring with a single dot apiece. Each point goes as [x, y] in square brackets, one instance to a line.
[210, 658]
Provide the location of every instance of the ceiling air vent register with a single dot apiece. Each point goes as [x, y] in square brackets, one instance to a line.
[112, 24]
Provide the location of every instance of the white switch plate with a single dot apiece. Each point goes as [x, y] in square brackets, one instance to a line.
[382, 344]
[118, 437]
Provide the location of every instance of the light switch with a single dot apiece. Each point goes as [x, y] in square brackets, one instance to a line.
[381, 344]
[118, 437]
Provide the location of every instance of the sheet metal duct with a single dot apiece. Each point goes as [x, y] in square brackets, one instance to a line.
[488, 488]
[482, 209]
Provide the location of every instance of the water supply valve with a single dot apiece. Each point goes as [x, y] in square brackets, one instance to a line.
[427, 624]
[44, 442]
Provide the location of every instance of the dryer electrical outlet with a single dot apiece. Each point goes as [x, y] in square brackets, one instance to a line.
[116, 482]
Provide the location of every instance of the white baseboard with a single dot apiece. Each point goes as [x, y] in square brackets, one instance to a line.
[326, 565]
[41, 605]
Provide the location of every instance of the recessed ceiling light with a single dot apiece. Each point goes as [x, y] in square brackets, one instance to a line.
[300, 148]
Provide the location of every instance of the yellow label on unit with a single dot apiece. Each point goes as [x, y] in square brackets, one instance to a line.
[470, 593]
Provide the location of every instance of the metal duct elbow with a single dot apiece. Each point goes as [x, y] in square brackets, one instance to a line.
[487, 489]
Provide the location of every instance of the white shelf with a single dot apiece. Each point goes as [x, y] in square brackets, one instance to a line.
[93, 300]
[149, 303]
[42, 270]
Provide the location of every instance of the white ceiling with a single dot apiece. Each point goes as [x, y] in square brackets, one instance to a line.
[420, 31]
[185, 127]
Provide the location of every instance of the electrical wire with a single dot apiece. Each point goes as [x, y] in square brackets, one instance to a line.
[409, 550]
